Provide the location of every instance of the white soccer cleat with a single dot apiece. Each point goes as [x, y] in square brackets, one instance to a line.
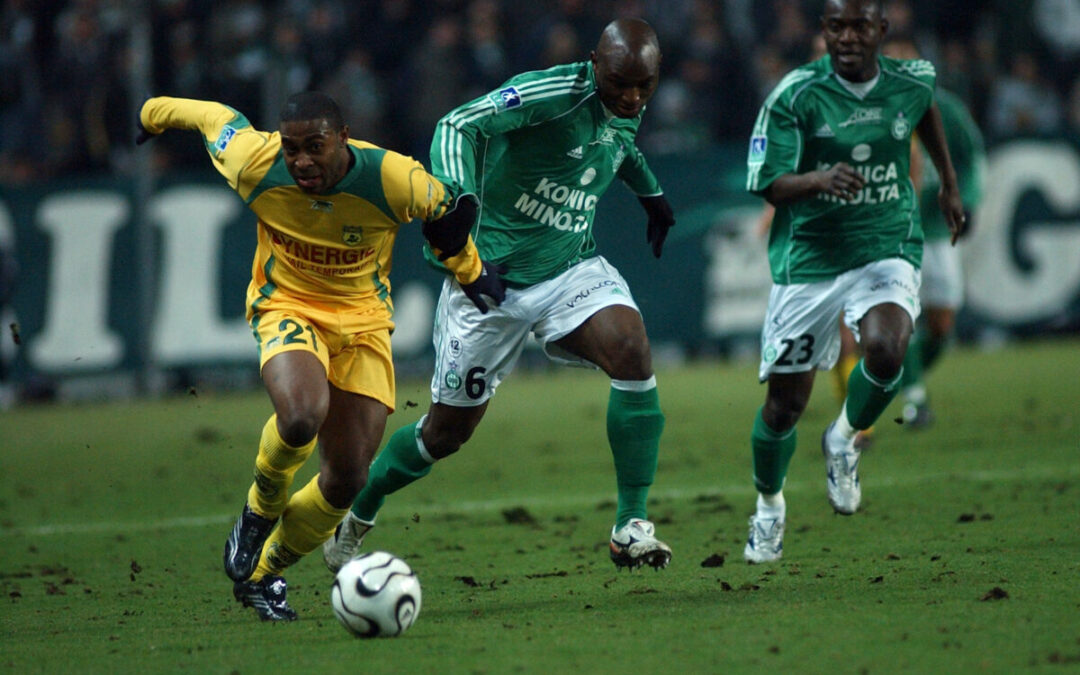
[842, 474]
[345, 543]
[635, 544]
[766, 540]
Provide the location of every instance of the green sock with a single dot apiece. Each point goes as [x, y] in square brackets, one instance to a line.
[914, 360]
[772, 455]
[399, 464]
[634, 425]
[868, 396]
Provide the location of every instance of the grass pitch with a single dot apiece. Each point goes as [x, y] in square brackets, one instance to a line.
[964, 558]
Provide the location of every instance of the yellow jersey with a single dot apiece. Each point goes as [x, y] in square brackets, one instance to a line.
[330, 249]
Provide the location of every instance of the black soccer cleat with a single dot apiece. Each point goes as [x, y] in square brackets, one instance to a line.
[245, 544]
[266, 596]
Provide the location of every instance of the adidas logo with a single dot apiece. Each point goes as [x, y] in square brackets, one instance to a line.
[575, 153]
[824, 132]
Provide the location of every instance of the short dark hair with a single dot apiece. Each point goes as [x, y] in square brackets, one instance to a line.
[312, 105]
[879, 4]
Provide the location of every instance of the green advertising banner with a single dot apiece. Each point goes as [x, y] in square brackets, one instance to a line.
[73, 314]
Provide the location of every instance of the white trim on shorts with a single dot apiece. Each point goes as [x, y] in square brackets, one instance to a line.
[474, 352]
[801, 330]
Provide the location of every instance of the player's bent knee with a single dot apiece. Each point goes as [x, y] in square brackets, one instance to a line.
[298, 429]
[444, 445]
[629, 359]
[884, 358]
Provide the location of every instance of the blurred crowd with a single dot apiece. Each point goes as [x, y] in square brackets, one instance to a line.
[67, 96]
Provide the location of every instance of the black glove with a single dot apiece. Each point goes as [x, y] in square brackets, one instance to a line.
[489, 283]
[661, 219]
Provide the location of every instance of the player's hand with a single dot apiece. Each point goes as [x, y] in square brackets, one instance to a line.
[489, 283]
[661, 219]
[840, 180]
[953, 208]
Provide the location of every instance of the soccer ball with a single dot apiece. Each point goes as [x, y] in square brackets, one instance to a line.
[376, 595]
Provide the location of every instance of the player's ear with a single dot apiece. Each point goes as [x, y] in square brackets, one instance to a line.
[344, 134]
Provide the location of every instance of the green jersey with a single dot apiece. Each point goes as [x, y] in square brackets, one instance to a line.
[810, 122]
[968, 155]
[538, 152]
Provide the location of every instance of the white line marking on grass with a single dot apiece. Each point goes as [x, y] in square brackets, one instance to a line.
[743, 489]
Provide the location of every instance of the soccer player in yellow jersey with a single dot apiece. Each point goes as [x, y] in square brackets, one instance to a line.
[328, 210]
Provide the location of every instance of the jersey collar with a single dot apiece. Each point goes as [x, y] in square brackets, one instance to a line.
[859, 89]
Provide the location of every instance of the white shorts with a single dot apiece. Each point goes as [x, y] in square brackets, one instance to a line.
[801, 329]
[942, 275]
[474, 352]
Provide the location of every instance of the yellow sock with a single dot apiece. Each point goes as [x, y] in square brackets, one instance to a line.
[841, 373]
[275, 467]
[308, 521]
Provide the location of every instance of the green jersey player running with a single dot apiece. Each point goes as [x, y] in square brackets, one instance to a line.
[831, 150]
[539, 152]
[942, 291]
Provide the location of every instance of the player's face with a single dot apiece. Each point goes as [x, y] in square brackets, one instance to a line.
[853, 30]
[624, 81]
[316, 154]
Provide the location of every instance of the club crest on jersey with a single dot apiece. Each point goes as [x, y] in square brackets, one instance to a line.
[504, 99]
[223, 138]
[901, 128]
[352, 235]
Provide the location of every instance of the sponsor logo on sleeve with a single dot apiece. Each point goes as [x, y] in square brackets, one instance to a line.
[223, 138]
[757, 149]
[504, 99]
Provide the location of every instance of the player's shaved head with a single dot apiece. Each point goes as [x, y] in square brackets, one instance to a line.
[306, 106]
[627, 65]
[629, 35]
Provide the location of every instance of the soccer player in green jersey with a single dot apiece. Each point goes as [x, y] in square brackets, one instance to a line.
[942, 290]
[540, 151]
[328, 210]
[831, 150]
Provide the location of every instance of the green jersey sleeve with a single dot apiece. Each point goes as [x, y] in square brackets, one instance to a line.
[777, 139]
[523, 101]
